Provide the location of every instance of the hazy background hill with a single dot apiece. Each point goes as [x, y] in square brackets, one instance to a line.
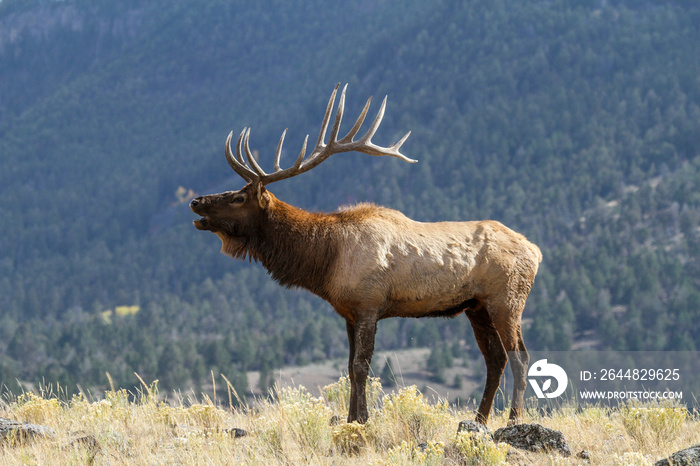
[576, 125]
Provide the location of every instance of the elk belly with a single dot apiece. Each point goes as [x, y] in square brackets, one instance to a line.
[429, 278]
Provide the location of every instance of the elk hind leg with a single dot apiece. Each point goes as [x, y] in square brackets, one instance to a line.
[495, 356]
[519, 363]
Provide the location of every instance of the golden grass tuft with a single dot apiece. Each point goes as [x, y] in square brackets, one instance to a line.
[295, 427]
[475, 450]
[654, 423]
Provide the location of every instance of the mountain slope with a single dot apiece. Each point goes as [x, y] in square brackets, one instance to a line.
[576, 125]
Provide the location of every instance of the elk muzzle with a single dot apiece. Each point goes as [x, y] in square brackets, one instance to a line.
[198, 207]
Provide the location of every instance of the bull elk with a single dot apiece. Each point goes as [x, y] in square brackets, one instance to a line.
[371, 262]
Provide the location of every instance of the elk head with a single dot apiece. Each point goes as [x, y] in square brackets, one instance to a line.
[223, 212]
[233, 214]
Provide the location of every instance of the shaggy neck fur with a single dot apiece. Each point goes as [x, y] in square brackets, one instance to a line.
[296, 247]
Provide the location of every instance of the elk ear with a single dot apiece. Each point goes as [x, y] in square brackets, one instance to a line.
[263, 197]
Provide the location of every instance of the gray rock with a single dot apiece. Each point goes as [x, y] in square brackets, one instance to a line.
[86, 441]
[235, 432]
[479, 430]
[533, 437]
[688, 457]
[481, 437]
[89, 443]
[11, 430]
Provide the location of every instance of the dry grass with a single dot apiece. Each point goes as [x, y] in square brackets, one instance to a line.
[298, 428]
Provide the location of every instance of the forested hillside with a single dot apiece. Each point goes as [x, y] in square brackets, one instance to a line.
[575, 124]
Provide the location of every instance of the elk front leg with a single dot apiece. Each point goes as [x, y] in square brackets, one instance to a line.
[360, 357]
[352, 409]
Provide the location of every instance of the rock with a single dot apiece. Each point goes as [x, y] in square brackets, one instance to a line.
[533, 437]
[89, 443]
[584, 455]
[479, 430]
[18, 431]
[479, 442]
[86, 441]
[688, 457]
[235, 432]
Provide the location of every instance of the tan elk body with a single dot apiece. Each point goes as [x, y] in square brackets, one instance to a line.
[371, 262]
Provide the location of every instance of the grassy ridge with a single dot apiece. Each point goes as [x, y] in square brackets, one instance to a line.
[297, 428]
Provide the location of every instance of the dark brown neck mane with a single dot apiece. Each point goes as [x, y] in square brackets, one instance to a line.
[296, 247]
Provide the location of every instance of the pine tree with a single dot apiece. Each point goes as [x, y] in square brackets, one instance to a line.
[387, 376]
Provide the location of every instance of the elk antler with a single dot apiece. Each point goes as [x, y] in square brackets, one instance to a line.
[253, 173]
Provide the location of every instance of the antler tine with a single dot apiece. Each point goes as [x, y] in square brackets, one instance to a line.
[278, 154]
[326, 118]
[243, 171]
[338, 118]
[300, 159]
[239, 157]
[375, 124]
[351, 134]
[396, 147]
[251, 159]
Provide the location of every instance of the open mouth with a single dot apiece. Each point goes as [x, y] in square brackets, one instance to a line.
[202, 224]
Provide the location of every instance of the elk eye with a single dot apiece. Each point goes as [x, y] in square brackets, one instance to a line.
[238, 200]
